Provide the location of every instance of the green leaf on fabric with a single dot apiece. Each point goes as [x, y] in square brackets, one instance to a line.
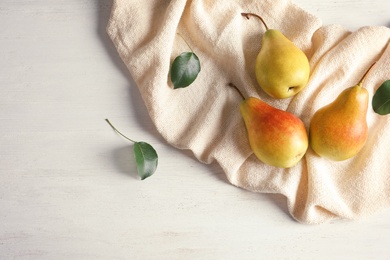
[146, 158]
[381, 99]
[185, 69]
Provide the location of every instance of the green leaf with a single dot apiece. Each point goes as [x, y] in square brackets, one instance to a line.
[185, 68]
[381, 99]
[145, 156]
[146, 159]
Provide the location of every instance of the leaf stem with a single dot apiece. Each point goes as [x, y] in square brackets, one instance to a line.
[365, 74]
[235, 87]
[116, 130]
[185, 42]
[258, 16]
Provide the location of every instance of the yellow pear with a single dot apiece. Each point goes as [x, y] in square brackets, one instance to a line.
[338, 131]
[276, 137]
[282, 69]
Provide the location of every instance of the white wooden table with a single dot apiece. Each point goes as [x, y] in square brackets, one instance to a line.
[68, 185]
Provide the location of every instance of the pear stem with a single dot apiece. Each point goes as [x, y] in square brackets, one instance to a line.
[116, 130]
[258, 16]
[365, 74]
[235, 87]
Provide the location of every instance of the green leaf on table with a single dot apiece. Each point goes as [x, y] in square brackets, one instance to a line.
[185, 69]
[146, 159]
[381, 99]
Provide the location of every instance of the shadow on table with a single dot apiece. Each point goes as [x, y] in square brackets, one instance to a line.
[124, 161]
[104, 11]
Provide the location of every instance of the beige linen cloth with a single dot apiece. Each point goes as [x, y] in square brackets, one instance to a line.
[205, 117]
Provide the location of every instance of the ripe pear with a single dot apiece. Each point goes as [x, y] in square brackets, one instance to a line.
[282, 69]
[338, 131]
[276, 137]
